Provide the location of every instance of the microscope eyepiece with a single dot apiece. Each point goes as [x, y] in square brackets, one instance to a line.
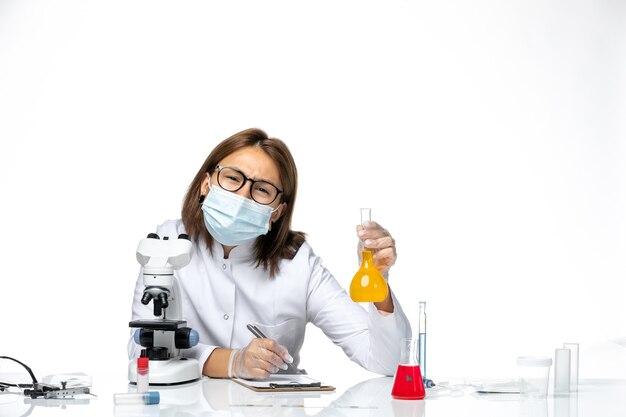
[153, 236]
[184, 236]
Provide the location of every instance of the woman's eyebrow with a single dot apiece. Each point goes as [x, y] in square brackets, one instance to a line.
[253, 179]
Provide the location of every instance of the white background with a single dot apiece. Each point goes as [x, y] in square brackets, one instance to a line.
[488, 136]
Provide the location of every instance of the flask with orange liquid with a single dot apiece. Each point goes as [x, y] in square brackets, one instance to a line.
[368, 285]
[408, 383]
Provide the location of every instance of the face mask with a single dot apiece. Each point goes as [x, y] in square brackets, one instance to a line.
[232, 219]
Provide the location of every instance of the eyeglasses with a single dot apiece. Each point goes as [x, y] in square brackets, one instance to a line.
[231, 179]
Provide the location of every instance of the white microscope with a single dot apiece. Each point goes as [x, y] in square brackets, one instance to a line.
[164, 337]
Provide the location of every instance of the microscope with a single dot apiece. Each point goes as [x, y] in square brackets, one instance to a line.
[166, 336]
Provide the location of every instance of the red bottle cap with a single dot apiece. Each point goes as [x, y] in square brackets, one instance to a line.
[142, 362]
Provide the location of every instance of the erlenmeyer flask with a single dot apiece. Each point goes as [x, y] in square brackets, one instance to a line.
[368, 285]
[408, 383]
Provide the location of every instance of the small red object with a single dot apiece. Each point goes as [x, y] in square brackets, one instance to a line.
[408, 384]
[142, 363]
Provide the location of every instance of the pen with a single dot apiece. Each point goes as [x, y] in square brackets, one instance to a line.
[296, 386]
[257, 333]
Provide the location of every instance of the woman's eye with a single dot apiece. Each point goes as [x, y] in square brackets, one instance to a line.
[233, 178]
[261, 190]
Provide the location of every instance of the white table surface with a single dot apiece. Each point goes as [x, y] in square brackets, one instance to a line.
[372, 397]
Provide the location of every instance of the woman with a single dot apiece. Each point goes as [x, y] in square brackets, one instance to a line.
[248, 266]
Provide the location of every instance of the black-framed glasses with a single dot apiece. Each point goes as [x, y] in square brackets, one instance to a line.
[231, 179]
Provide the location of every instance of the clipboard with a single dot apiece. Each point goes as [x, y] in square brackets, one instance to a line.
[284, 383]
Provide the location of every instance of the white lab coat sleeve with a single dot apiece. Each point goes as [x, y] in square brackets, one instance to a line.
[368, 338]
[201, 353]
[386, 332]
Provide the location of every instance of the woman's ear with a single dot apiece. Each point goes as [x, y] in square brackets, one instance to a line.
[204, 188]
[277, 213]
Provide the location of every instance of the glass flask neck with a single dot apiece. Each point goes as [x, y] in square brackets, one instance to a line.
[409, 353]
[368, 259]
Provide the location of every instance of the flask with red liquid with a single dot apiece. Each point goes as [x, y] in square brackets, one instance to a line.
[408, 383]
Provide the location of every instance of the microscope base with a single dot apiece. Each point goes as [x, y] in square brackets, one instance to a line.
[168, 372]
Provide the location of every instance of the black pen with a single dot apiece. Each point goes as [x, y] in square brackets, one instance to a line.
[257, 333]
[295, 385]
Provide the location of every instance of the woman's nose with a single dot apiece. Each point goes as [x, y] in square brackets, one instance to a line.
[245, 191]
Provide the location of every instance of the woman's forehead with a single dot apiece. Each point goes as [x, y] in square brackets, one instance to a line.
[254, 163]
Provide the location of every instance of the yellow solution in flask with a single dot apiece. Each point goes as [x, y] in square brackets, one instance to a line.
[368, 285]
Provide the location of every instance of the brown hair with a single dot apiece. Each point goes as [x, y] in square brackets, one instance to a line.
[280, 242]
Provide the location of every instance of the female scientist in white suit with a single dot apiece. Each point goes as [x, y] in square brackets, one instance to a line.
[248, 266]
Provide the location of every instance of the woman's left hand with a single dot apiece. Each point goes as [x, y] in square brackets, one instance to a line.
[374, 237]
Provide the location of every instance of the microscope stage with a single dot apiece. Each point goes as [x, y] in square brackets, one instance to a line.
[158, 324]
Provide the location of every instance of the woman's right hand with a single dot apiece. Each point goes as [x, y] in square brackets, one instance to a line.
[258, 360]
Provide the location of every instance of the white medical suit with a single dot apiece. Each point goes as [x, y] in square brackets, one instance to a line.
[221, 296]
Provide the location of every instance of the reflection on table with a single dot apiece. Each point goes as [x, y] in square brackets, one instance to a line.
[221, 397]
[368, 398]
[216, 397]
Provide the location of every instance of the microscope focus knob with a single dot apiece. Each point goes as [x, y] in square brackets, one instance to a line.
[153, 236]
[144, 337]
[194, 338]
[184, 236]
[186, 337]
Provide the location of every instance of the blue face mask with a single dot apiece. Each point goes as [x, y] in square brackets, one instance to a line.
[232, 219]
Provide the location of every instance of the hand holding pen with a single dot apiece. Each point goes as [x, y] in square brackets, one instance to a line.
[287, 359]
[261, 358]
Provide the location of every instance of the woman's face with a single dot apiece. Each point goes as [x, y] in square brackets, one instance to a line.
[255, 164]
